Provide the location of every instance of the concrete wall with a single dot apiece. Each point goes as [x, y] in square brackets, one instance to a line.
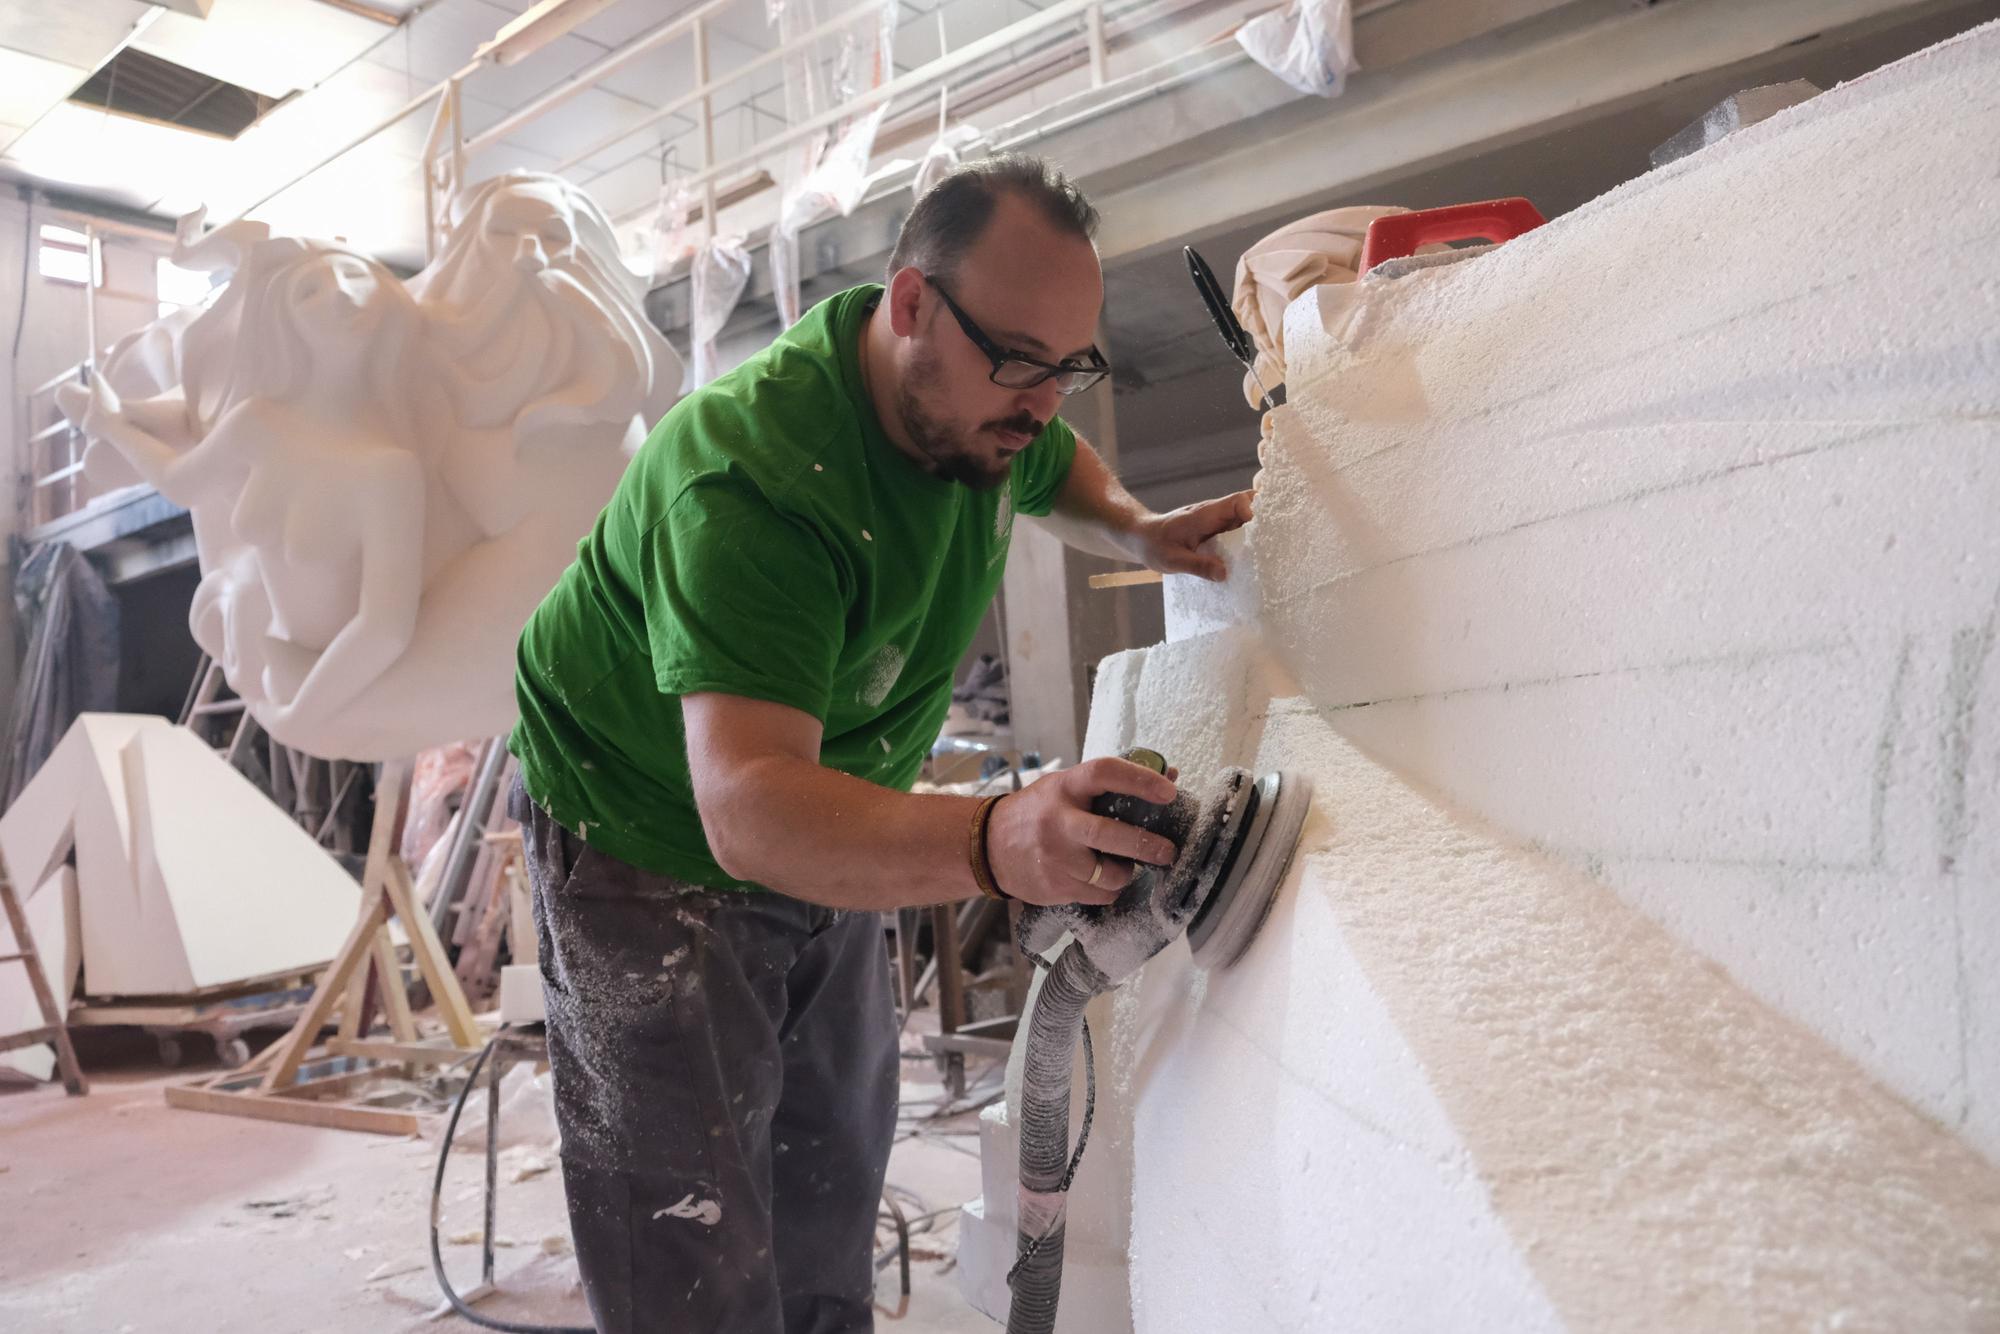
[1629, 593]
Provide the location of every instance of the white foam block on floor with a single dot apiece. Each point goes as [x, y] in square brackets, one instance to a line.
[187, 876]
[521, 994]
[78, 798]
[244, 888]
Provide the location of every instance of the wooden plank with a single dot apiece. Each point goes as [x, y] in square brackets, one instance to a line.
[430, 957]
[295, 1110]
[1125, 579]
[968, 1045]
[293, 1046]
[375, 1049]
[391, 794]
[394, 989]
[290, 979]
[33, 1037]
[355, 1002]
[951, 978]
[24, 940]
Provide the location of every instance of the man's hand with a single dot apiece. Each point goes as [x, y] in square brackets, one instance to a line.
[1044, 843]
[1177, 543]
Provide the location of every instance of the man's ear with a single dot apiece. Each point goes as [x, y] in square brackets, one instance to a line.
[905, 295]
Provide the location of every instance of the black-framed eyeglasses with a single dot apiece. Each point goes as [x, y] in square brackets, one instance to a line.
[1018, 370]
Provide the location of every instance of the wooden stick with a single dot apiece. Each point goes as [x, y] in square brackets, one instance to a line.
[298, 1111]
[431, 959]
[395, 991]
[354, 1004]
[1125, 578]
[390, 797]
[305, 1032]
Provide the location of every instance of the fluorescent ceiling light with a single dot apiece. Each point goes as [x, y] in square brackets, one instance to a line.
[538, 27]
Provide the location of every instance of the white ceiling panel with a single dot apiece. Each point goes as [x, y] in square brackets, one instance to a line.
[30, 85]
[635, 185]
[667, 71]
[745, 21]
[67, 31]
[627, 19]
[580, 122]
[440, 42]
[522, 82]
[360, 96]
[271, 46]
[348, 201]
[503, 157]
[132, 162]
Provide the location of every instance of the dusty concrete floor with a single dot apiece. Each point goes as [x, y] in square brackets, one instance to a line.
[121, 1215]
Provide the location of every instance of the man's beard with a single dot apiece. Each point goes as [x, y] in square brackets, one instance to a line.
[955, 457]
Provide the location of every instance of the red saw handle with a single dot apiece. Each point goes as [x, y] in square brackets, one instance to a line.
[1400, 234]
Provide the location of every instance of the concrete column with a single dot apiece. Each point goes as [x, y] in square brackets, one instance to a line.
[1057, 627]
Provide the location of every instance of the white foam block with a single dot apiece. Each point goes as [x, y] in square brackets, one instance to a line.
[243, 887]
[187, 876]
[521, 994]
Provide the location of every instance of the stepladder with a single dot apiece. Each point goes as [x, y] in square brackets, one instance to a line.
[54, 1028]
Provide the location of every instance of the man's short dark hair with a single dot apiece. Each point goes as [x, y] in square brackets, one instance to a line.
[951, 215]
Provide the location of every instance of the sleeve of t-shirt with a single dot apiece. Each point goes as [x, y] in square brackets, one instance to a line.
[742, 599]
[1041, 469]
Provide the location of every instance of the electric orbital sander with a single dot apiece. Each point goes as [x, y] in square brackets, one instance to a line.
[1236, 842]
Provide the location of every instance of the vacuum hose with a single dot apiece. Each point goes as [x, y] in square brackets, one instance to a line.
[1046, 1162]
[1107, 944]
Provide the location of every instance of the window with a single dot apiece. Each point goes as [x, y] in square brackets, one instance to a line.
[177, 286]
[66, 257]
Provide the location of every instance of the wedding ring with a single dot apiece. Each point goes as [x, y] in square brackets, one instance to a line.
[1096, 870]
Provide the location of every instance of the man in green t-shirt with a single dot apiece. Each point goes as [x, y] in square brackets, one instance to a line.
[724, 703]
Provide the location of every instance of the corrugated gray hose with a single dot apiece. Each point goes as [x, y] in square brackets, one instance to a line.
[1046, 1162]
[1108, 945]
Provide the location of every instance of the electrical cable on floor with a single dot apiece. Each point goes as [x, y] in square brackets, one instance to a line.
[458, 1303]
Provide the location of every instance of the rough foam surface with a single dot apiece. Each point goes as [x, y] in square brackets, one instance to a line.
[1636, 583]
[1664, 538]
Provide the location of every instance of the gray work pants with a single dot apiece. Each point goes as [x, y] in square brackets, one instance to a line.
[726, 1081]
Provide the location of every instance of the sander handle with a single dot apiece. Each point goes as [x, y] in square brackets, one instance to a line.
[1399, 234]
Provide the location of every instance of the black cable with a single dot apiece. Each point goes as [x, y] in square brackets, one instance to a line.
[437, 1196]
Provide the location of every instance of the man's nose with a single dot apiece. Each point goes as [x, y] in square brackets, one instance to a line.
[1040, 402]
[529, 255]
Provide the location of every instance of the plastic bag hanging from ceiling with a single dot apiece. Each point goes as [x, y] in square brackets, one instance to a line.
[1309, 44]
[673, 239]
[720, 271]
[831, 171]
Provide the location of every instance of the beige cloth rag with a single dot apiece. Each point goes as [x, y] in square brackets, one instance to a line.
[1323, 248]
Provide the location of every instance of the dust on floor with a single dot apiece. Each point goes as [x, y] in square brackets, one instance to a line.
[126, 1216]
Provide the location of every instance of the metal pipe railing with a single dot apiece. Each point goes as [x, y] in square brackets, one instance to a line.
[705, 87]
[585, 79]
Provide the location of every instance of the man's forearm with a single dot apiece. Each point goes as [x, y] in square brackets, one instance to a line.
[830, 838]
[1094, 512]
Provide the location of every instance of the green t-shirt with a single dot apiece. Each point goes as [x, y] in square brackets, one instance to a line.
[767, 541]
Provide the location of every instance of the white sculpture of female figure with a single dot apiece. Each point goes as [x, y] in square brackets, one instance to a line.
[303, 467]
[385, 479]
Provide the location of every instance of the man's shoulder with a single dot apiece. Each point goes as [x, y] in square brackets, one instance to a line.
[763, 432]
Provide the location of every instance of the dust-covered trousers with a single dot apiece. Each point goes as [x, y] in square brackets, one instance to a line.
[725, 1068]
